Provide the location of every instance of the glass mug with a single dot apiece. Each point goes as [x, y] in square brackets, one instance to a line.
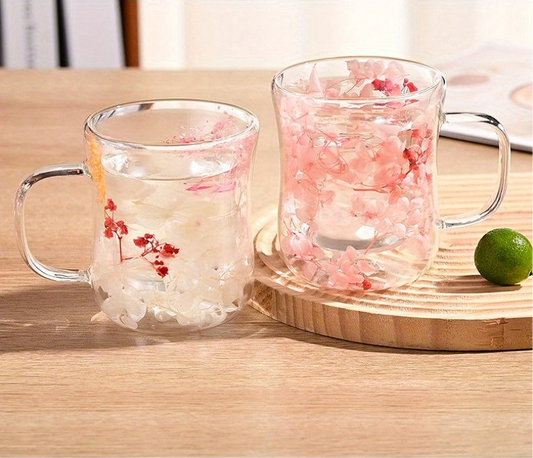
[172, 245]
[358, 138]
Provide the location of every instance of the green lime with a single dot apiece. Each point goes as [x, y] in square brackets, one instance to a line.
[504, 256]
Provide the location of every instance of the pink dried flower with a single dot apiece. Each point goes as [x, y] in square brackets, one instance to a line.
[379, 166]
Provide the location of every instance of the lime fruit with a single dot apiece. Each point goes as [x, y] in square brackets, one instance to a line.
[504, 256]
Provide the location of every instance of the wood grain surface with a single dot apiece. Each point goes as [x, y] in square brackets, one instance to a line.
[252, 387]
[451, 307]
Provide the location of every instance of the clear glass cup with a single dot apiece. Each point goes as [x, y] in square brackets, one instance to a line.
[172, 245]
[358, 203]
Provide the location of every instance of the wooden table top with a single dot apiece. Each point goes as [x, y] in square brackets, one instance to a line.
[251, 387]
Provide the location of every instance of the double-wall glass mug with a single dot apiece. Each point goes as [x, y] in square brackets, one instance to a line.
[172, 245]
[358, 137]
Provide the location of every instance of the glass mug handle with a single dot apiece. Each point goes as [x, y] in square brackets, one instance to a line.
[504, 147]
[51, 273]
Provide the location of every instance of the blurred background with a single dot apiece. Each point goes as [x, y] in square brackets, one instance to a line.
[250, 34]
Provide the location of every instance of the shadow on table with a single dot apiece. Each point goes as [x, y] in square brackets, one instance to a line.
[58, 318]
[65, 317]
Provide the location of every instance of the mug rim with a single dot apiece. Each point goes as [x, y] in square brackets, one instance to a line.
[91, 121]
[439, 77]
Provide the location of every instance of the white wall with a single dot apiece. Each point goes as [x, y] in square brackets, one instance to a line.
[162, 34]
[441, 29]
[273, 33]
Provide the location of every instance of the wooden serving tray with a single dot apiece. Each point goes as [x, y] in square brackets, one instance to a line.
[451, 307]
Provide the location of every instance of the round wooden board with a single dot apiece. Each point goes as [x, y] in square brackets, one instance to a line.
[451, 307]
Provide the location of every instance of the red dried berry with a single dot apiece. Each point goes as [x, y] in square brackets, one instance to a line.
[169, 250]
[162, 271]
[110, 205]
[123, 228]
[410, 155]
[378, 85]
[409, 85]
[109, 223]
[140, 242]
